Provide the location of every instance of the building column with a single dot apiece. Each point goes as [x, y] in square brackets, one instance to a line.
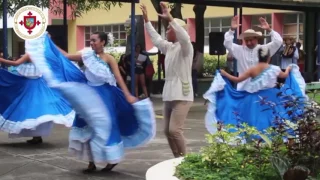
[310, 40]
[80, 33]
[277, 22]
[192, 29]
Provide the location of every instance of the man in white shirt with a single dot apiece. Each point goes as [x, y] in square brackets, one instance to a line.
[177, 91]
[247, 56]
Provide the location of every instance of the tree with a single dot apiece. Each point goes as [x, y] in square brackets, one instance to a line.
[78, 7]
[199, 11]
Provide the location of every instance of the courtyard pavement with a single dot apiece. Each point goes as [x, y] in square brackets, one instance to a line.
[51, 161]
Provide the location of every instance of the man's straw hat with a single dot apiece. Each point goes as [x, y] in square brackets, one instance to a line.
[250, 33]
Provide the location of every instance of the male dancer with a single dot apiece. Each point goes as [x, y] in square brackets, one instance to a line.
[177, 91]
[247, 56]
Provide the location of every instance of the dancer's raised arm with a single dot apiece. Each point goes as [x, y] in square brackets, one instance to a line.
[156, 39]
[21, 60]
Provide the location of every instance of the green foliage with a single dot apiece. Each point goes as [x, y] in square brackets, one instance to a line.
[226, 158]
[78, 7]
[210, 63]
[265, 155]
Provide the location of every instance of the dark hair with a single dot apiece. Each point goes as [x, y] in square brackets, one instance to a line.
[102, 36]
[298, 44]
[1, 51]
[263, 55]
[121, 60]
[135, 47]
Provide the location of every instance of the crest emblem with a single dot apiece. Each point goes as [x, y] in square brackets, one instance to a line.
[30, 22]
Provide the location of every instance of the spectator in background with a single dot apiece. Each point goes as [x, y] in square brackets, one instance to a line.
[123, 67]
[302, 56]
[230, 63]
[140, 78]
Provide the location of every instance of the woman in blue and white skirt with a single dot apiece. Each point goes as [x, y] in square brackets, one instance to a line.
[28, 106]
[115, 120]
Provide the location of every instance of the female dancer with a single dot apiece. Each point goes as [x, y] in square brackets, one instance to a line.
[28, 106]
[225, 99]
[91, 138]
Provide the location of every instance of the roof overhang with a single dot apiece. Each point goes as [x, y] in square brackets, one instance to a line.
[294, 5]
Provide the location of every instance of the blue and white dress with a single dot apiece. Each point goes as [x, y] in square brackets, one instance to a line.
[28, 106]
[107, 124]
[230, 106]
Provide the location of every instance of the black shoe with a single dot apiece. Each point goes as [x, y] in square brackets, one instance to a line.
[35, 140]
[90, 170]
[108, 168]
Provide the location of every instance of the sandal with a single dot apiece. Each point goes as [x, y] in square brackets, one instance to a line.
[109, 167]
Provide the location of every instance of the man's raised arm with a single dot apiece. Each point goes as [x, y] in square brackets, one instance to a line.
[156, 39]
[276, 42]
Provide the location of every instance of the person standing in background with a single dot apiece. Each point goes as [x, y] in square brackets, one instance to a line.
[290, 54]
[302, 56]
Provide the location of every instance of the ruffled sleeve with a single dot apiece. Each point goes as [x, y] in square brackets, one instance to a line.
[99, 69]
[267, 79]
[28, 70]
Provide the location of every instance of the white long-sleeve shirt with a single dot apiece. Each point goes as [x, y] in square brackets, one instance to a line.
[246, 57]
[285, 62]
[178, 62]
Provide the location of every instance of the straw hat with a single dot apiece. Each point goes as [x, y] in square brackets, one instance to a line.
[250, 33]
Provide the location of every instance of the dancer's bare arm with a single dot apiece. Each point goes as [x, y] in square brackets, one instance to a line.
[242, 77]
[21, 60]
[116, 72]
[286, 73]
[72, 57]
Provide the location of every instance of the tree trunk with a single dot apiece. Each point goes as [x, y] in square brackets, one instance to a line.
[199, 11]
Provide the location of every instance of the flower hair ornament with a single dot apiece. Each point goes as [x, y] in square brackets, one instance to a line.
[264, 52]
[110, 39]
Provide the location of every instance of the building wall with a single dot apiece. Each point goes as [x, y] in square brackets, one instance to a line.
[115, 18]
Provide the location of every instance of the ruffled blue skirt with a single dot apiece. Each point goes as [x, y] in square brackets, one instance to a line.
[261, 109]
[106, 123]
[27, 104]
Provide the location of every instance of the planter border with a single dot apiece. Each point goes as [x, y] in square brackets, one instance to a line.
[164, 170]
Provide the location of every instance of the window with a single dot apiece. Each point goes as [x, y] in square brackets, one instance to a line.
[255, 23]
[215, 25]
[293, 26]
[118, 31]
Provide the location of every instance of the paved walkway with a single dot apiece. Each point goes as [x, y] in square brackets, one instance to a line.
[51, 161]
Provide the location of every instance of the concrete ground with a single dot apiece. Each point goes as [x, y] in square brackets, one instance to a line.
[51, 161]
